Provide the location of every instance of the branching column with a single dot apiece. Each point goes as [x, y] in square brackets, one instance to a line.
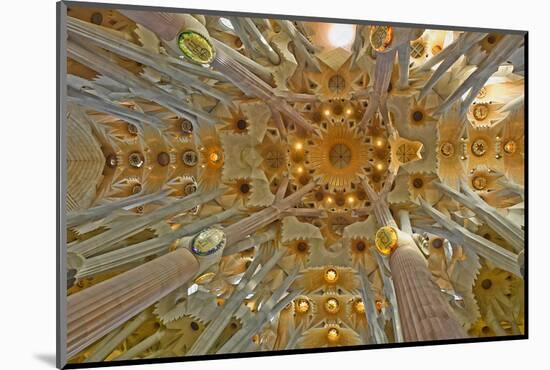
[252, 85]
[423, 312]
[126, 228]
[249, 225]
[98, 212]
[95, 311]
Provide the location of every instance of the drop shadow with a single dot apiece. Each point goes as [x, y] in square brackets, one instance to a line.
[46, 358]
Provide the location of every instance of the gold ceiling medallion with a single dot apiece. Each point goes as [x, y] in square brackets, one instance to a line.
[333, 335]
[386, 240]
[479, 147]
[359, 306]
[510, 147]
[196, 47]
[331, 276]
[190, 158]
[479, 183]
[136, 160]
[302, 305]
[332, 305]
[447, 149]
[481, 111]
[186, 127]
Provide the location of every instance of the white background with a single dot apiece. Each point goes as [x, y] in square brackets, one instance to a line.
[28, 178]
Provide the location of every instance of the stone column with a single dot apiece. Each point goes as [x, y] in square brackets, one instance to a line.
[95, 311]
[455, 233]
[496, 221]
[156, 246]
[249, 225]
[252, 85]
[96, 213]
[424, 313]
[127, 227]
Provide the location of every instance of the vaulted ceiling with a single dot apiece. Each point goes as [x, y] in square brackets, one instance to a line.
[291, 136]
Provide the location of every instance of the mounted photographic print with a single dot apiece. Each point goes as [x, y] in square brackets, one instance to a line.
[239, 184]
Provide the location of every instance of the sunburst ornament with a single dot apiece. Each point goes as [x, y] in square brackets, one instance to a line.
[328, 279]
[331, 276]
[484, 114]
[483, 179]
[332, 305]
[338, 78]
[300, 250]
[421, 185]
[338, 158]
[359, 306]
[360, 252]
[484, 148]
[301, 305]
[492, 289]
[333, 335]
[329, 336]
[235, 120]
[420, 113]
[238, 193]
[212, 159]
[513, 146]
[452, 156]
[480, 329]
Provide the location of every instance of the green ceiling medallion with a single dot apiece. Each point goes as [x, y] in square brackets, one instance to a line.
[208, 241]
[196, 47]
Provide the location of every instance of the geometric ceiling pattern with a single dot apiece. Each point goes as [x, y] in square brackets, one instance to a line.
[241, 184]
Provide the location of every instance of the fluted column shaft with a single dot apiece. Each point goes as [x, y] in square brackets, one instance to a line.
[249, 225]
[93, 214]
[252, 85]
[256, 68]
[423, 311]
[166, 25]
[126, 228]
[95, 311]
